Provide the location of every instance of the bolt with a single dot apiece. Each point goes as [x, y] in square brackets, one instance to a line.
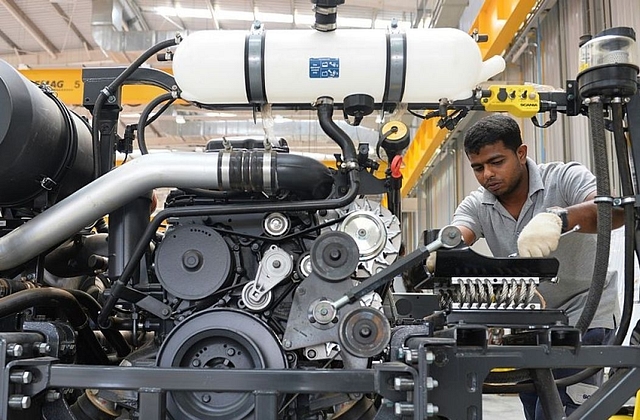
[430, 357]
[19, 402]
[403, 384]
[43, 348]
[432, 410]
[402, 409]
[231, 352]
[195, 363]
[111, 99]
[362, 233]
[287, 344]
[276, 264]
[52, 395]
[365, 332]
[206, 398]
[335, 254]
[311, 354]
[192, 260]
[410, 356]
[21, 377]
[275, 224]
[14, 350]
[165, 312]
[432, 383]
[324, 311]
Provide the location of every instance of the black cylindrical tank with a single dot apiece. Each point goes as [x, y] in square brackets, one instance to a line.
[43, 145]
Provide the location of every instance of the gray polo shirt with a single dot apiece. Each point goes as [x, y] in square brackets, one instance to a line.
[550, 184]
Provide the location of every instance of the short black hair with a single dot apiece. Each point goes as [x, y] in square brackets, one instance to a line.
[490, 130]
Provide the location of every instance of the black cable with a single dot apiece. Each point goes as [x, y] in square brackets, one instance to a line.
[110, 90]
[114, 336]
[142, 122]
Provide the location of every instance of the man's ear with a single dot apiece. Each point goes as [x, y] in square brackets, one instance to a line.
[521, 152]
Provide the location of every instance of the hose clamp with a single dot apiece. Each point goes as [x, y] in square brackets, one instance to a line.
[603, 199]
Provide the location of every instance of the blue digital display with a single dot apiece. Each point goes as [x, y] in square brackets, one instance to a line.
[324, 68]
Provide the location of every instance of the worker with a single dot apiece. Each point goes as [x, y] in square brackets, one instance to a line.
[523, 207]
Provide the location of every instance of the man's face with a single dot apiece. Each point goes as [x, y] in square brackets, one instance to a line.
[498, 169]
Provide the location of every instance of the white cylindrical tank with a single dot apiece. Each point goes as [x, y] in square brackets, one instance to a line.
[298, 66]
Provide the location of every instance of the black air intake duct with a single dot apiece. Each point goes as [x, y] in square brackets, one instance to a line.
[43, 145]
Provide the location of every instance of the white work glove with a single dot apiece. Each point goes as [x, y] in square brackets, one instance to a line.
[541, 235]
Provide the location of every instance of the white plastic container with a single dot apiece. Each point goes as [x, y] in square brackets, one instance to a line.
[302, 65]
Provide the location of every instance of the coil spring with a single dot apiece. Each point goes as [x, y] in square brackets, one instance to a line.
[483, 293]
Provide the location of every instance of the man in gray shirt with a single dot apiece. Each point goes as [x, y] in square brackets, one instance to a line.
[523, 207]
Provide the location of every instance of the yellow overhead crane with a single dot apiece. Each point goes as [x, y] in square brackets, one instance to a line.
[500, 20]
[68, 85]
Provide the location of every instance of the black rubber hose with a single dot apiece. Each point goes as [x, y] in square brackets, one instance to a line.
[114, 336]
[304, 175]
[63, 300]
[603, 242]
[110, 90]
[144, 116]
[325, 117]
[622, 155]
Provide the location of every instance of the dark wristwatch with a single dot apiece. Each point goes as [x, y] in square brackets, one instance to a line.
[563, 214]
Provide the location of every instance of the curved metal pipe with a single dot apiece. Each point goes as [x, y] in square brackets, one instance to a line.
[104, 195]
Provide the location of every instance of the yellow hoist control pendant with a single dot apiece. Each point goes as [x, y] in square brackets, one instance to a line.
[518, 100]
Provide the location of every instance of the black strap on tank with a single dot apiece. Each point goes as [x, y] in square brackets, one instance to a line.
[254, 66]
[396, 67]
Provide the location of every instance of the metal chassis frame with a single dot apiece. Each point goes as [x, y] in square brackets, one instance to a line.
[460, 370]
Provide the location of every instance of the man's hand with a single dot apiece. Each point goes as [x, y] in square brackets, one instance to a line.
[541, 235]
